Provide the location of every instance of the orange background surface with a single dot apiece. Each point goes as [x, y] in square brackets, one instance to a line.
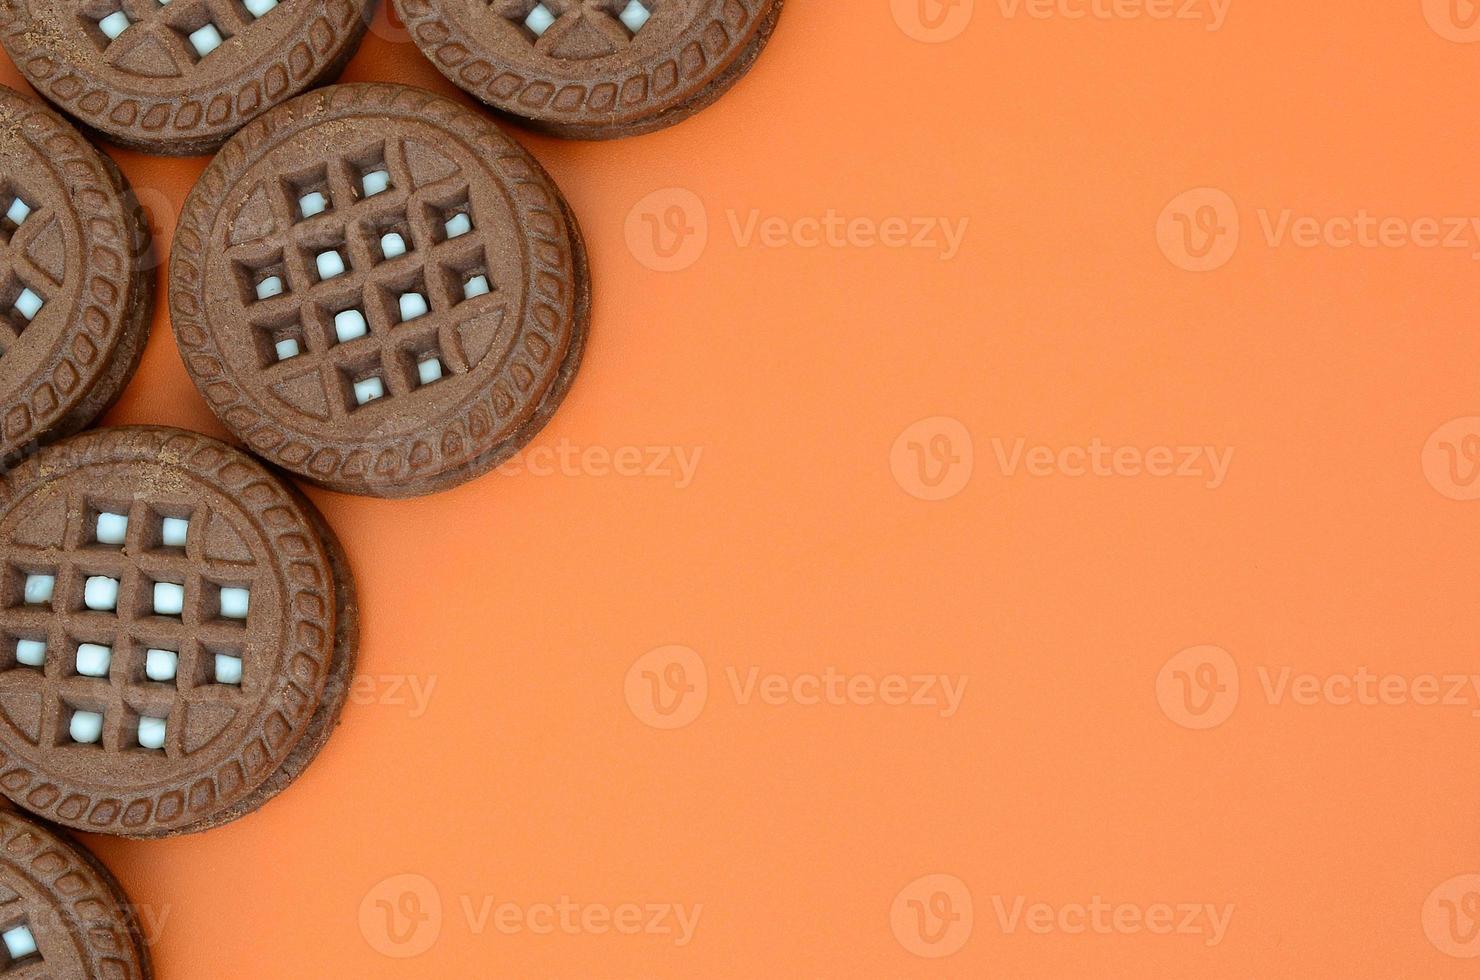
[1089, 759]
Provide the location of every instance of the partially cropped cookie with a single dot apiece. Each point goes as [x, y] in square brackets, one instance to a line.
[177, 77]
[593, 69]
[177, 633]
[76, 284]
[62, 915]
[379, 290]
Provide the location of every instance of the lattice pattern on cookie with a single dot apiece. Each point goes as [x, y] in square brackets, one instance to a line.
[360, 292]
[125, 630]
[25, 285]
[578, 28]
[166, 39]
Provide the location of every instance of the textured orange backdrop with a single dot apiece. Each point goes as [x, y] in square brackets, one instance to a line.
[1105, 365]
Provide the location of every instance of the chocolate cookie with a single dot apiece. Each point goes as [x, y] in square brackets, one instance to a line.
[378, 290]
[178, 76]
[177, 633]
[76, 290]
[593, 69]
[62, 915]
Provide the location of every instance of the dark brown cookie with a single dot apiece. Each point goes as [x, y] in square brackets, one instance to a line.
[593, 69]
[76, 280]
[62, 915]
[377, 289]
[177, 633]
[178, 77]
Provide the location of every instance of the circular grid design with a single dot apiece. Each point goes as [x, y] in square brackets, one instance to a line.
[78, 916]
[95, 330]
[286, 645]
[483, 47]
[57, 46]
[430, 444]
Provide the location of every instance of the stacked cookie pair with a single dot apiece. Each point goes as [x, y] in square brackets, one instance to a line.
[375, 288]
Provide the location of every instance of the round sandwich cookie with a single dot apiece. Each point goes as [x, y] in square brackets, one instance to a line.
[178, 631]
[593, 69]
[62, 915]
[378, 290]
[178, 77]
[76, 281]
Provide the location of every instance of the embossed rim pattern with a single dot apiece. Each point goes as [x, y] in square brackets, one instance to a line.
[306, 580]
[500, 419]
[91, 896]
[187, 126]
[711, 55]
[101, 346]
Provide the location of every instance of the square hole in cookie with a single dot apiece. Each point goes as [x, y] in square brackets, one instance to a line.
[475, 286]
[330, 264]
[350, 325]
[429, 369]
[226, 668]
[37, 588]
[20, 944]
[464, 275]
[308, 192]
[150, 732]
[412, 305]
[538, 20]
[161, 665]
[422, 363]
[109, 527]
[362, 381]
[259, 8]
[93, 659]
[16, 212]
[100, 593]
[392, 245]
[368, 171]
[227, 601]
[635, 15]
[279, 339]
[28, 652]
[19, 302]
[166, 528]
[450, 215]
[113, 25]
[168, 599]
[84, 723]
[198, 27]
[262, 278]
[173, 531]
